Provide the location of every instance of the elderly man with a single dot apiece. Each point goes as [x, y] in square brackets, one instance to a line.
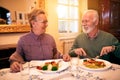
[35, 45]
[93, 42]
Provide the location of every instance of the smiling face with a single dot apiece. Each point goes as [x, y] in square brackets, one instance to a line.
[39, 24]
[89, 22]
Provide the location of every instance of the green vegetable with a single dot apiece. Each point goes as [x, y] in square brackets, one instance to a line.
[85, 60]
[45, 67]
[54, 68]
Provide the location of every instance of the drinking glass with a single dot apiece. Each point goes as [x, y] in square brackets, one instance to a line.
[74, 62]
[25, 70]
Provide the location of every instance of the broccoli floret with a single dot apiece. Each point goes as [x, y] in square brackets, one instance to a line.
[45, 67]
[54, 68]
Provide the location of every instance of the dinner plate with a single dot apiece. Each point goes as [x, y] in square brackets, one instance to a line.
[62, 65]
[108, 65]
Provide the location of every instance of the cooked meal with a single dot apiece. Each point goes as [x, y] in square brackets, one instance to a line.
[92, 63]
[51, 66]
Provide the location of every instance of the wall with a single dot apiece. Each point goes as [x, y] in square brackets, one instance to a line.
[93, 4]
[52, 20]
[10, 38]
[83, 7]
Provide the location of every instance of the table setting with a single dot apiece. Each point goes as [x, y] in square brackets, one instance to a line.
[57, 69]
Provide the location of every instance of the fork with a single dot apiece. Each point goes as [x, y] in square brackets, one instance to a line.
[97, 57]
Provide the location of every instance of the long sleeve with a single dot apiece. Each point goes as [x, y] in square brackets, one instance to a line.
[16, 57]
[74, 46]
[117, 51]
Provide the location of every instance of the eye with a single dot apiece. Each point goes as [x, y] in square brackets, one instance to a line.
[85, 21]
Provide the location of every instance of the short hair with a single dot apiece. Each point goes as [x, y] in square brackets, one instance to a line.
[35, 12]
[94, 14]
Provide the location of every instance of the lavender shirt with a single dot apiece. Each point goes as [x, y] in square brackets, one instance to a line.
[33, 47]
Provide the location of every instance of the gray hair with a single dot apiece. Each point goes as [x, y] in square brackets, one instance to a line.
[94, 14]
[32, 15]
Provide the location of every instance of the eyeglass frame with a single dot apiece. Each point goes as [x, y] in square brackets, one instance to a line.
[42, 21]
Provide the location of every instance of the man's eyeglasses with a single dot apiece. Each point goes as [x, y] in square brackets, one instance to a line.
[42, 21]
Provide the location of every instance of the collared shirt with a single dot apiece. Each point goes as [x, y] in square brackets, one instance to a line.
[33, 47]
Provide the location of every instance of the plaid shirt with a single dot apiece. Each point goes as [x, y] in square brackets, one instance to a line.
[33, 47]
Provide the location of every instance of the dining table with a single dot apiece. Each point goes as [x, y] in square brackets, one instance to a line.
[65, 73]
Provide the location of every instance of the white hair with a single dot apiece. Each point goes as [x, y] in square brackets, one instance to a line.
[94, 14]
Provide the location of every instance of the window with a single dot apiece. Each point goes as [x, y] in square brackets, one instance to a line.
[68, 16]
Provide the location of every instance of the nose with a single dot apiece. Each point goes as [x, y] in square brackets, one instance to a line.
[46, 24]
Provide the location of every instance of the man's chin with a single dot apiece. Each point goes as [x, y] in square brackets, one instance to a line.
[86, 31]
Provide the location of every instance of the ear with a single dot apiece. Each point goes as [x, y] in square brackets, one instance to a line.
[33, 23]
[96, 22]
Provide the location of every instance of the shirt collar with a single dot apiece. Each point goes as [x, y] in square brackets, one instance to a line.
[95, 36]
[37, 37]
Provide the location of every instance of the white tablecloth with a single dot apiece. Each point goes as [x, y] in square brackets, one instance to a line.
[113, 73]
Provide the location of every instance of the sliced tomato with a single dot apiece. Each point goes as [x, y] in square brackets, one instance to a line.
[39, 67]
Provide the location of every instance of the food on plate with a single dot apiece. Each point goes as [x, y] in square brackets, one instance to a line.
[93, 63]
[51, 66]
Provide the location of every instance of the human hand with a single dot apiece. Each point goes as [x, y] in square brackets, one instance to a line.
[80, 51]
[66, 57]
[15, 66]
[106, 50]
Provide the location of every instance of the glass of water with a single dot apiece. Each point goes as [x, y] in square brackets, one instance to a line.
[74, 63]
[25, 70]
[74, 66]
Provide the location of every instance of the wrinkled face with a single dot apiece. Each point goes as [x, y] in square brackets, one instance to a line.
[39, 25]
[88, 23]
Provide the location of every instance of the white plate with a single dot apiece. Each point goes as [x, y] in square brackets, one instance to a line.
[62, 65]
[108, 65]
